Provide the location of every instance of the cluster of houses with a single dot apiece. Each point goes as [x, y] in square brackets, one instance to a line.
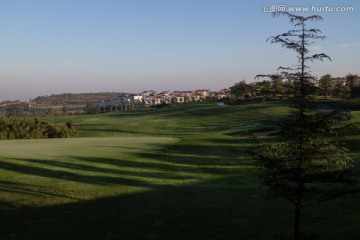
[342, 80]
[151, 97]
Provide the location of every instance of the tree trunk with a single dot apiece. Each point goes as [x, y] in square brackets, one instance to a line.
[297, 221]
[298, 205]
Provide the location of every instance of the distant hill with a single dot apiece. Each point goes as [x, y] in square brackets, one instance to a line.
[76, 98]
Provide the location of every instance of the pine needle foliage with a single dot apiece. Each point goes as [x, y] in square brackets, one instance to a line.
[306, 166]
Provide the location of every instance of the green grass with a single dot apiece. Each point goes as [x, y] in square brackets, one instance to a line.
[79, 169]
[168, 173]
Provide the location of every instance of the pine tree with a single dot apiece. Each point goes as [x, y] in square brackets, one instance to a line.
[305, 167]
[353, 85]
[326, 84]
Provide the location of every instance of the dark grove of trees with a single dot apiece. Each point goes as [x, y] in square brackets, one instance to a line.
[278, 87]
[33, 128]
[306, 166]
[75, 98]
[353, 85]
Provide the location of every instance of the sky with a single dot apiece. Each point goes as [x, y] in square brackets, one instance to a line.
[70, 46]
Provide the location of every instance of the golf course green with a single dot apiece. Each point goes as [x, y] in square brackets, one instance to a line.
[175, 172]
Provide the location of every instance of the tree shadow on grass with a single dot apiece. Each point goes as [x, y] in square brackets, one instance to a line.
[28, 190]
[224, 207]
[177, 162]
[158, 174]
[203, 210]
[209, 153]
[193, 111]
[200, 211]
[70, 175]
[107, 130]
[206, 210]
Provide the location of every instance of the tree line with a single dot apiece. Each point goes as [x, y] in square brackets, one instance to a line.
[279, 87]
[33, 128]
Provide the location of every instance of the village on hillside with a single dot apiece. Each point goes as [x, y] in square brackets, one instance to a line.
[110, 100]
[79, 103]
[151, 97]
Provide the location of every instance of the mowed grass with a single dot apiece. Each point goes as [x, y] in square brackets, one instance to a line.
[68, 170]
[170, 173]
[191, 120]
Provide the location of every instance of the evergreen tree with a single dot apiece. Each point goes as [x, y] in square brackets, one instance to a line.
[304, 167]
[326, 84]
[339, 90]
[239, 90]
[353, 85]
[277, 85]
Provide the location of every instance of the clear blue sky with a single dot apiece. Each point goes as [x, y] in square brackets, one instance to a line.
[56, 46]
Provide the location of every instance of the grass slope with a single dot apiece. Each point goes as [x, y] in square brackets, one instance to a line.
[168, 173]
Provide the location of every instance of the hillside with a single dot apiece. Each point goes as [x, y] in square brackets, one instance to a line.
[76, 98]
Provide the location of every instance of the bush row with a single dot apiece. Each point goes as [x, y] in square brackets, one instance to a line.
[33, 128]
